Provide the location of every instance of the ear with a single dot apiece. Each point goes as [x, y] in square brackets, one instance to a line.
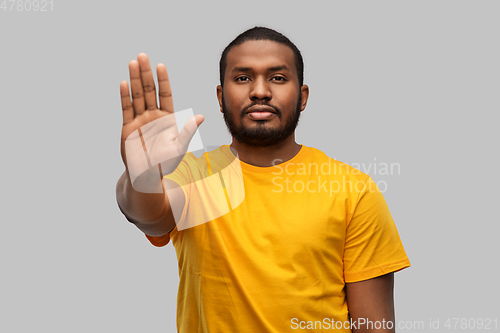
[304, 91]
[219, 96]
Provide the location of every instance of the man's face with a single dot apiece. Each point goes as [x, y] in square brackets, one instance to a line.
[261, 99]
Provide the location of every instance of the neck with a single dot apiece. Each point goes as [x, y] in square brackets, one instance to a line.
[267, 156]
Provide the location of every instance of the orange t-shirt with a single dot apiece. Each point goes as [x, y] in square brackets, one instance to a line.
[304, 228]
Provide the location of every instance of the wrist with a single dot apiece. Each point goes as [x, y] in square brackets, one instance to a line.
[150, 181]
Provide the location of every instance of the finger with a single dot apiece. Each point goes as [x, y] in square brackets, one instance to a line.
[128, 110]
[137, 90]
[189, 130]
[165, 92]
[148, 82]
[199, 118]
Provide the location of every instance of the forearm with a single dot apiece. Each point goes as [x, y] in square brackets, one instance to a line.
[150, 212]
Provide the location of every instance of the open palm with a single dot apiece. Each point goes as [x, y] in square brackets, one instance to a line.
[153, 128]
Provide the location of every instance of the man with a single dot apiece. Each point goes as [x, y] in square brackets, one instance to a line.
[312, 245]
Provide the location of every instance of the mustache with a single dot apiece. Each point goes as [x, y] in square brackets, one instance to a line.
[245, 109]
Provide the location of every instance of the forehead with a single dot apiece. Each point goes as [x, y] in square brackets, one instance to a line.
[260, 55]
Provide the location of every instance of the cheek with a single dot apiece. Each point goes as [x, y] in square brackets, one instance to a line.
[232, 98]
[291, 100]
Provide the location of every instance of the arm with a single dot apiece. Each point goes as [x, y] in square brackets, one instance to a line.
[371, 304]
[150, 212]
[145, 202]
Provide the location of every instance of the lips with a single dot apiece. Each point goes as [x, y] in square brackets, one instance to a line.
[260, 108]
[260, 112]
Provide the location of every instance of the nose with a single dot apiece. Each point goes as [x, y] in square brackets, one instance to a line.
[260, 90]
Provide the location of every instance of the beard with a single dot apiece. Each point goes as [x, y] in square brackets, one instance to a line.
[261, 135]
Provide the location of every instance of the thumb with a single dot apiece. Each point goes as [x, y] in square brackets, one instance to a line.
[189, 129]
[199, 118]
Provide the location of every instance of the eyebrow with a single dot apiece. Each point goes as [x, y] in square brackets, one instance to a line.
[270, 69]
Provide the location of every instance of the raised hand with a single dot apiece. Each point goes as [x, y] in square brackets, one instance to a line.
[149, 134]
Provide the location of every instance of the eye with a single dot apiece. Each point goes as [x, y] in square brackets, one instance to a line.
[278, 78]
[242, 79]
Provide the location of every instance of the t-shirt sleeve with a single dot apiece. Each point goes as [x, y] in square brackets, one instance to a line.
[159, 241]
[372, 245]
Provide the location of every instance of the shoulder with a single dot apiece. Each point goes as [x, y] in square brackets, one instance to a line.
[219, 159]
[330, 166]
[193, 168]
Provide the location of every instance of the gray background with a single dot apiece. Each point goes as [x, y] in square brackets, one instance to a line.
[414, 83]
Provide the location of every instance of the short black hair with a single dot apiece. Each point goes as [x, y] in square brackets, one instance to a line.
[262, 33]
